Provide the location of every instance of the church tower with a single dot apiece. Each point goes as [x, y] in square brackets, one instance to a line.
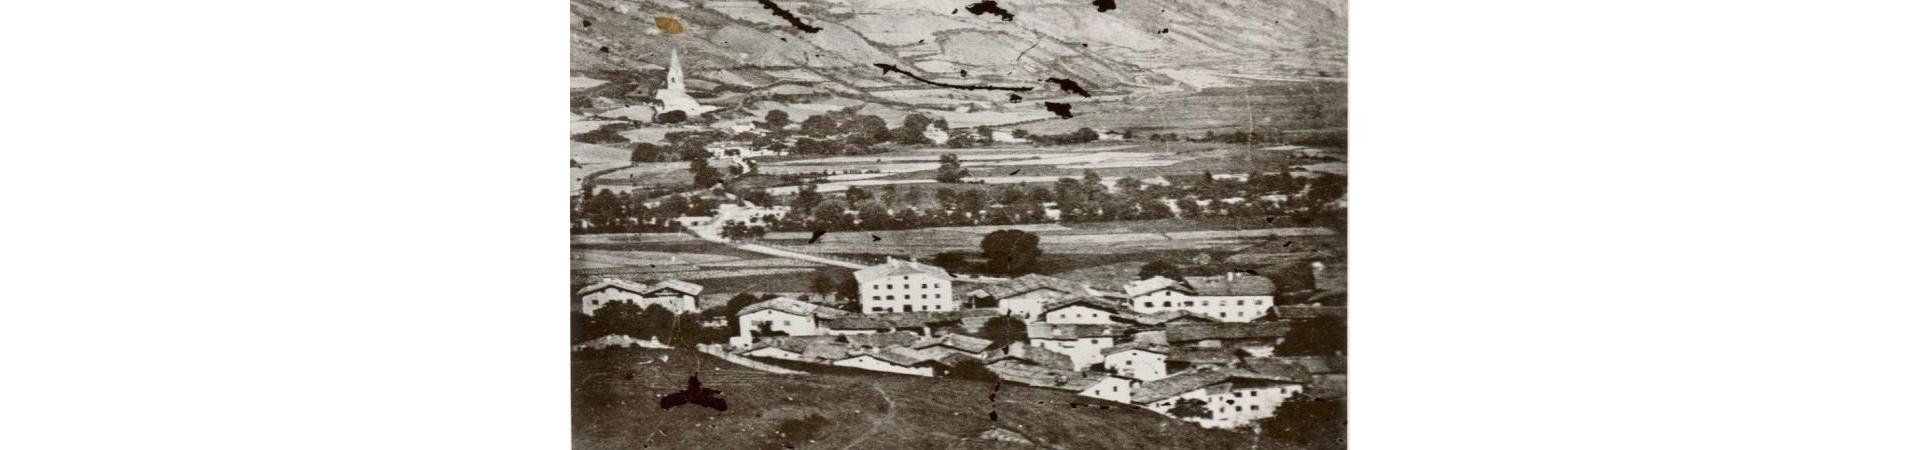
[674, 83]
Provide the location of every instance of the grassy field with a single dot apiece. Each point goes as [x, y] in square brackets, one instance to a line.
[615, 406]
[1089, 238]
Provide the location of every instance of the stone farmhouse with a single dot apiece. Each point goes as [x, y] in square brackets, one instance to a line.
[677, 296]
[905, 286]
[1232, 397]
[1228, 298]
[786, 315]
[1144, 362]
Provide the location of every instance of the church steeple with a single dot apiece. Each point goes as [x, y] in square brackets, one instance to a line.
[674, 83]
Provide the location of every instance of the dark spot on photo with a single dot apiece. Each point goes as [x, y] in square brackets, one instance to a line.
[586, 23]
[1070, 86]
[1064, 110]
[1103, 5]
[989, 7]
[1014, 98]
[791, 19]
[605, 49]
[886, 68]
[696, 395]
[816, 236]
[876, 237]
[1164, 30]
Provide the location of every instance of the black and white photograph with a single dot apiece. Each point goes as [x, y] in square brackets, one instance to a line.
[901, 224]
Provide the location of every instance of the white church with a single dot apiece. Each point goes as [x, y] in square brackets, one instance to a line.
[674, 95]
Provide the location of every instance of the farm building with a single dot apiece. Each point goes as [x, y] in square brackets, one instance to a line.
[955, 344]
[1081, 310]
[905, 286]
[920, 322]
[1021, 353]
[786, 315]
[1144, 362]
[1025, 296]
[893, 360]
[1228, 298]
[1081, 343]
[1096, 385]
[677, 296]
[1233, 398]
[1257, 338]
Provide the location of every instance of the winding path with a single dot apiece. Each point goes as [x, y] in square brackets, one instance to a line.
[876, 425]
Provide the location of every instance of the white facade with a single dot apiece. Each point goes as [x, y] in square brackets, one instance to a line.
[905, 286]
[1231, 406]
[1225, 309]
[1027, 305]
[782, 321]
[1084, 352]
[869, 362]
[1111, 388]
[1079, 314]
[679, 303]
[774, 352]
[1138, 364]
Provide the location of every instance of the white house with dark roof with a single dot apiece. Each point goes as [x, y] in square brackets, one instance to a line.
[1081, 343]
[1026, 296]
[893, 360]
[1228, 298]
[1232, 398]
[1081, 310]
[677, 296]
[786, 315]
[1139, 361]
[905, 286]
[1256, 338]
[1094, 384]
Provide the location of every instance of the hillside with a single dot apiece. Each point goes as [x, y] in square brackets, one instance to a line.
[615, 406]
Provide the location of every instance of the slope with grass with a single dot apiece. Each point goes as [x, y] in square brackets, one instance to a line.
[616, 395]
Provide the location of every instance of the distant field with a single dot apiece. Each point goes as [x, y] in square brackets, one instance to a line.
[1096, 238]
[615, 398]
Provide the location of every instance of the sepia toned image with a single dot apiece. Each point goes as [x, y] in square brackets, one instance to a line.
[904, 224]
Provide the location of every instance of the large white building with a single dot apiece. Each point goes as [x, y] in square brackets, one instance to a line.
[1081, 343]
[677, 296]
[905, 286]
[1137, 361]
[1025, 297]
[1228, 298]
[1232, 398]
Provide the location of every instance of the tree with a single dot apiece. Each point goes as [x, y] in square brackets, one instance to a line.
[645, 152]
[703, 174]
[1318, 336]
[656, 321]
[952, 261]
[913, 129]
[1004, 330]
[734, 305]
[950, 170]
[1010, 252]
[777, 119]
[670, 117]
[1191, 408]
[1160, 269]
[819, 126]
[974, 370]
[822, 283]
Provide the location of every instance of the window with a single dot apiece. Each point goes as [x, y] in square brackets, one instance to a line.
[876, 297]
[889, 286]
[923, 285]
[1188, 303]
[786, 323]
[936, 295]
[876, 286]
[889, 297]
[1253, 407]
[1241, 303]
[1256, 303]
[878, 309]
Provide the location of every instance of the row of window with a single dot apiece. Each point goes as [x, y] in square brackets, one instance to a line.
[904, 297]
[909, 308]
[909, 286]
[1202, 303]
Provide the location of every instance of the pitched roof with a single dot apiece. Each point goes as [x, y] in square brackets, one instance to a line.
[898, 356]
[1189, 332]
[1231, 285]
[1046, 377]
[895, 267]
[1202, 355]
[1188, 381]
[1020, 351]
[1141, 346]
[1084, 300]
[796, 307]
[1174, 316]
[1064, 331]
[960, 342]
[617, 283]
[826, 351]
[890, 321]
[882, 340]
[1157, 283]
[677, 285]
[1308, 312]
[1029, 283]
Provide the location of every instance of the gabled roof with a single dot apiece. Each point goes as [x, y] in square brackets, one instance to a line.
[1157, 283]
[616, 283]
[1202, 355]
[1308, 312]
[1191, 380]
[898, 356]
[1174, 316]
[1189, 332]
[1020, 351]
[641, 288]
[1029, 283]
[895, 267]
[677, 285]
[1046, 377]
[891, 321]
[1062, 331]
[1231, 285]
[795, 344]
[1141, 346]
[959, 342]
[882, 340]
[795, 307]
[1083, 300]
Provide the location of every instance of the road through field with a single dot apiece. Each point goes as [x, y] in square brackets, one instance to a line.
[876, 425]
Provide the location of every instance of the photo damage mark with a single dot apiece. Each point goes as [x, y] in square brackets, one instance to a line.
[1014, 98]
[816, 236]
[1064, 110]
[987, 7]
[782, 13]
[696, 395]
[1103, 5]
[884, 68]
[1069, 86]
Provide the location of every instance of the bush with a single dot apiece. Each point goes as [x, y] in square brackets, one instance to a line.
[803, 429]
[973, 370]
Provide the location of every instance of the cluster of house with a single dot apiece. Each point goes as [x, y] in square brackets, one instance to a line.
[1154, 343]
